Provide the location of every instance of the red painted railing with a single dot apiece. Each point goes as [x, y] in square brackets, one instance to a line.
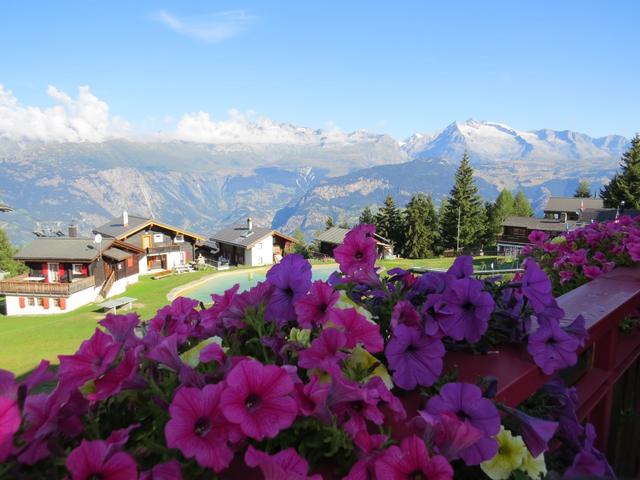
[604, 302]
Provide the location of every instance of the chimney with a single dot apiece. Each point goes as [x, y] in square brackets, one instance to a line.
[249, 224]
[73, 231]
[125, 219]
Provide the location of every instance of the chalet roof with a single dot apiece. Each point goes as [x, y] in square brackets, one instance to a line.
[5, 208]
[63, 249]
[571, 204]
[335, 236]
[542, 224]
[115, 228]
[240, 236]
[116, 254]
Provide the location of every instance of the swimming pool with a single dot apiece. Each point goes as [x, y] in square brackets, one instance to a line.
[222, 281]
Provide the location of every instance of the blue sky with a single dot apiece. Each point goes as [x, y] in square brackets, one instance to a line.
[395, 67]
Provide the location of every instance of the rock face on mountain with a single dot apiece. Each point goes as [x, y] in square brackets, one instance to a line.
[299, 181]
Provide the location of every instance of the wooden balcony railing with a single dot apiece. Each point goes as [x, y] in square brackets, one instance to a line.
[18, 285]
[163, 249]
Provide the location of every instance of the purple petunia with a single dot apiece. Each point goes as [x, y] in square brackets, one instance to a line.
[314, 308]
[536, 286]
[292, 280]
[259, 399]
[447, 434]
[414, 357]
[536, 432]
[462, 267]
[358, 250]
[466, 401]
[198, 429]
[406, 314]
[466, 311]
[552, 348]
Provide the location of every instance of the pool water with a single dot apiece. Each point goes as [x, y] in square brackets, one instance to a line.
[246, 278]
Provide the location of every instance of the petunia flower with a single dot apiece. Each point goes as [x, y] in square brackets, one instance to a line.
[577, 330]
[466, 311]
[284, 465]
[536, 286]
[411, 460]
[313, 309]
[199, 429]
[258, 399]
[292, 280]
[447, 434]
[326, 351]
[462, 267]
[534, 467]
[247, 303]
[116, 378]
[10, 418]
[537, 237]
[414, 357]
[357, 329]
[405, 313]
[122, 328]
[510, 457]
[97, 459]
[592, 271]
[164, 471]
[552, 348]
[180, 318]
[536, 432]
[589, 461]
[358, 250]
[466, 401]
[360, 360]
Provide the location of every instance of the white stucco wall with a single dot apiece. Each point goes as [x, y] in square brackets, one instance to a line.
[76, 300]
[142, 265]
[120, 286]
[174, 259]
[261, 253]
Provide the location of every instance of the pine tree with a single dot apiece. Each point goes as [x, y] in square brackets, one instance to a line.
[367, 216]
[344, 224]
[420, 227]
[389, 223]
[583, 190]
[465, 207]
[497, 212]
[522, 206]
[329, 223]
[7, 251]
[625, 186]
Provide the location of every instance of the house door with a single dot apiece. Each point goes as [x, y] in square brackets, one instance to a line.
[54, 272]
[146, 241]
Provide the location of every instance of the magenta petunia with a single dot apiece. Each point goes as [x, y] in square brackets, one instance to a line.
[466, 401]
[552, 348]
[414, 357]
[406, 314]
[118, 377]
[292, 280]
[199, 429]
[122, 328]
[412, 460]
[164, 471]
[358, 250]
[259, 399]
[179, 318]
[313, 309]
[357, 329]
[10, 419]
[447, 434]
[325, 351]
[537, 237]
[592, 271]
[466, 311]
[284, 465]
[97, 459]
[91, 360]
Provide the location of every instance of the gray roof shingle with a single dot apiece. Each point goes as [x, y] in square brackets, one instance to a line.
[240, 236]
[543, 224]
[115, 228]
[5, 208]
[571, 204]
[62, 248]
[116, 254]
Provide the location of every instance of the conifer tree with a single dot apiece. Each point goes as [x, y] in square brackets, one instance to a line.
[7, 251]
[583, 190]
[389, 223]
[625, 185]
[497, 212]
[344, 224]
[420, 227]
[464, 207]
[329, 223]
[522, 206]
[367, 216]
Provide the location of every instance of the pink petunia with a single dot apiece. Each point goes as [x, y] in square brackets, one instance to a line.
[199, 429]
[358, 329]
[259, 399]
[313, 309]
[117, 378]
[284, 465]
[410, 460]
[591, 271]
[9, 413]
[98, 459]
[164, 471]
[325, 351]
[406, 314]
[358, 250]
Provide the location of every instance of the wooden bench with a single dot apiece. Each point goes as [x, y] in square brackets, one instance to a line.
[114, 304]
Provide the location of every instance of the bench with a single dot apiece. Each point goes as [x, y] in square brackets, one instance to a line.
[112, 305]
[183, 268]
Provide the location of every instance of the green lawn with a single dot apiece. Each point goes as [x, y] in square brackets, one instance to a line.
[24, 340]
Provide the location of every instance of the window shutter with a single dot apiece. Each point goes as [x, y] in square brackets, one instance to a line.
[61, 271]
[63, 304]
[45, 272]
[22, 302]
[45, 303]
[85, 269]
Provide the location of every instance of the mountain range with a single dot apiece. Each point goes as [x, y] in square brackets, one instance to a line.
[295, 177]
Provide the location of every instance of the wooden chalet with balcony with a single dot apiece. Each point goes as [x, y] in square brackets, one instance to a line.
[164, 247]
[68, 272]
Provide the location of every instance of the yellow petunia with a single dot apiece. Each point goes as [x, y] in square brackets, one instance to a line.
[360, 359]
[534, 467]
[511, 455]
[302, 336]
[192, 356]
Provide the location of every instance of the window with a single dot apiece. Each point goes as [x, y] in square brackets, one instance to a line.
[31, 301]
[129, 262]
[179, 238]
[158, 238]
[40, 301]
[77, 269]
[259, 246]
[56, 302]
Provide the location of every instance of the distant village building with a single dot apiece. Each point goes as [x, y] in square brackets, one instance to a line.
[165, 247]
[68, 272]
[516, 230]
[5, 208]
[570, 208]
[250, 245]
[334, 236]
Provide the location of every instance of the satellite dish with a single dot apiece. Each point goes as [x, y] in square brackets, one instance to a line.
[97, 238]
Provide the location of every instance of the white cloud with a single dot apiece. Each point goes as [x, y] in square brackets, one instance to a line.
[210, 28]
[84, 119]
